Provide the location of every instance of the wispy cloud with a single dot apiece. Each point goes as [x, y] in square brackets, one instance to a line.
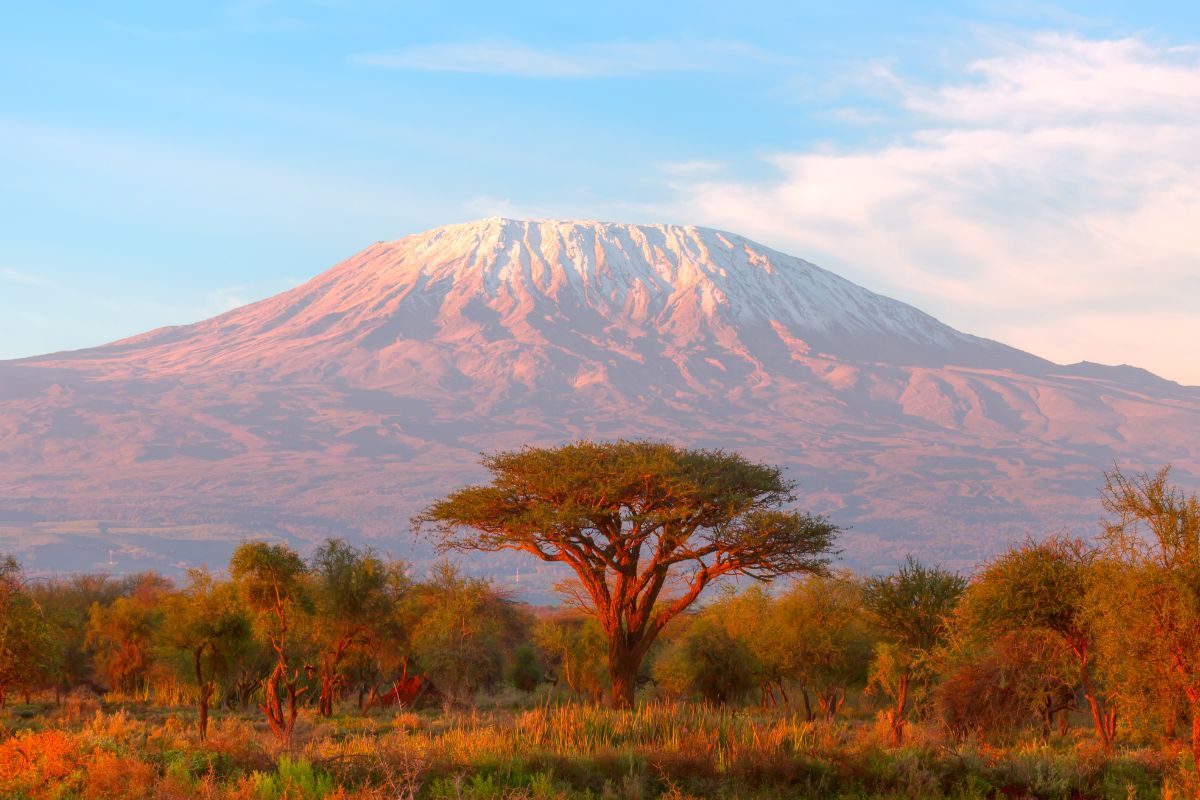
[1057, 180]
[595, 60]
[691, 169]
[488, 206]
[25, 278]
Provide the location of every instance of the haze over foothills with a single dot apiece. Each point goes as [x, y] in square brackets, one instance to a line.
[1021, 182]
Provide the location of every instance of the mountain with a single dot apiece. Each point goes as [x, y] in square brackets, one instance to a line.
[342, 406]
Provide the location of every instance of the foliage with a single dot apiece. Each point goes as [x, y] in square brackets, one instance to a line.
[911, 609]
[994, 687]
[817, 635]
[972, 683]
[525, 672]
[356, 594]
[463, 628]
[28, 650]
[1146, 593]
[707, 661]
[632, 518]
[271, 578]
[121, 637]
[205, 625]
[66, 604]
[574, 645]
[1041, 588]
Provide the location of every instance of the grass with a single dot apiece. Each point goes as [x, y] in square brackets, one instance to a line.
[139, 751]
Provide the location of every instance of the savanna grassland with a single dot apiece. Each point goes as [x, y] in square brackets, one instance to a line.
[1062, 668]
[136, 749]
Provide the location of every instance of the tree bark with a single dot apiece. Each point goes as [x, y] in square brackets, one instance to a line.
[325, 703]
[808, 712]
[831, 699]
[623, 668]
[1104, 720]
[900, 711]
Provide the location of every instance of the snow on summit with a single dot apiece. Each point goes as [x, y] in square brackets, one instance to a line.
[341, 406]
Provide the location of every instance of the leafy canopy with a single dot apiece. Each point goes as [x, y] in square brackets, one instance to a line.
[605, 507]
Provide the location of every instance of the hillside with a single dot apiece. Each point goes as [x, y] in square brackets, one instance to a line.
[341, 406]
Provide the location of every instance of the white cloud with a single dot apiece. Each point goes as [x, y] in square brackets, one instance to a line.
[690, 169]
[488, 206]
[1050, 199]
[606, 59]
[228, 298]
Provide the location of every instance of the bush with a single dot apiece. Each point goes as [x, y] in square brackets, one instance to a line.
[525, 672]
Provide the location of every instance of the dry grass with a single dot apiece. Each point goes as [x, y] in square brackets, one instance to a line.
[669, 750]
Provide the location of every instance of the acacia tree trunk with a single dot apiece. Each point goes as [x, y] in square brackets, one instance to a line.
[206, 692]
[831, 698]
[896, 716]
[623, 668]
[624, 661]
[325, 702]
[271, 705]
[808, 712]
[282, 725]
[1103, 719]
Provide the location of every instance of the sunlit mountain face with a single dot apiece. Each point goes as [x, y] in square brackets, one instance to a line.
[341, 407]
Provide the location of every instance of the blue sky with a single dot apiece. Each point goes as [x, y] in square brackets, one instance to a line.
[1023, 171]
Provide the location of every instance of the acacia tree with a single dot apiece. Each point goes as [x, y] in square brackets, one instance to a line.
[462, 628]
[204, 622]
[817, 634]
[1146, 603]
[271, 578]
[354, 597]
[910, 607]
[27, 646]
[646, 527]
[1041, 587]
[121, 639]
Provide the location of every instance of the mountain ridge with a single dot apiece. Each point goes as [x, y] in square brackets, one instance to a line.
[342, 404]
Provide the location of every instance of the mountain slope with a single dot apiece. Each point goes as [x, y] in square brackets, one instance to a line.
[341, 406]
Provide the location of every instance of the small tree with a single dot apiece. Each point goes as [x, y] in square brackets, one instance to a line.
[121, 639]
[1146, 601]
[461, 631]
[645, 526]
[525, 671]
[27, 644]
[354, 598]
[993, 684]
[205, 624]
[707, 660]
[1042, 587]
[271, 579]
[910, 608]
[817, 635]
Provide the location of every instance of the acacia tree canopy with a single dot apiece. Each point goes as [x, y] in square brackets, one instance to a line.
[645, 525]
